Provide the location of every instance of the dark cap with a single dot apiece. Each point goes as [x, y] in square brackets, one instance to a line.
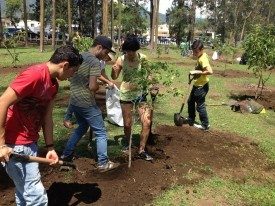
[105, 42]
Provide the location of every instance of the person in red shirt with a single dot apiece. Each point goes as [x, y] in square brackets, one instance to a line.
[26, 107]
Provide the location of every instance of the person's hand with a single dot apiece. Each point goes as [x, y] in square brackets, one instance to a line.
[5, 153]
[52, 156]
[195, 72]
[111, 85]
[154, 91]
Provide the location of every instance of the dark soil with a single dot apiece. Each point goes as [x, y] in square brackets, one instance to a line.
[230, 73]
[178, 152]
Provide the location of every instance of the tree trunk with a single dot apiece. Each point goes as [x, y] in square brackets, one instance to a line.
[119, 24]
[94, 27]
[25, 21]
[153, 8]
[112, 21]
[192, 21]
[1, 27]
[80, 28]
[69, 19]
[53, 23]
[105, 17]
[157, 23]
[151, 14]
[42, 16]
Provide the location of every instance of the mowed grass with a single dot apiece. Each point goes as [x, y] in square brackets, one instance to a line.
[216, 190]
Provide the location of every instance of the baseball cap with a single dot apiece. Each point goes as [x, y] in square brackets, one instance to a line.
[105, 42]
[111, 55]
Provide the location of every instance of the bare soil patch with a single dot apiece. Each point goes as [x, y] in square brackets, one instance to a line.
[230, 73]
[242, 92]
[179, 152]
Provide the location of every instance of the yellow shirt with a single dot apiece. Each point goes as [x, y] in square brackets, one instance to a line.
[202, 63]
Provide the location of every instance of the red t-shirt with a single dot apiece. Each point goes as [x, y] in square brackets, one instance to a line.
[24, 119]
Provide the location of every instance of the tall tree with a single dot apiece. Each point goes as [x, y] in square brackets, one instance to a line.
[178, 20]
[70, 18]
[105, 17]
[119, 23]
[53, 23]
[25, 21]
[156, 22]
[1, 27]
[42, 16]
[12, 9]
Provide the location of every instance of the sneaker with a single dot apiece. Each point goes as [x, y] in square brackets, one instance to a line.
[108, 166]
[69, 158]
[143, 155]
[202, 127]
[68, 124]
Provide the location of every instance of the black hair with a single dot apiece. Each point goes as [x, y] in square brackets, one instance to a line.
[197, 44]
[130, 44]
[67, 53]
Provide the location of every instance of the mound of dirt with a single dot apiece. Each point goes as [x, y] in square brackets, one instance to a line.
[183, 155]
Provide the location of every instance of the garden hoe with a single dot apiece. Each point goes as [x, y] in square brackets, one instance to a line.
[178, 119]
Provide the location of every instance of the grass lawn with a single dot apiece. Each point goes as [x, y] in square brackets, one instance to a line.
[215, 190]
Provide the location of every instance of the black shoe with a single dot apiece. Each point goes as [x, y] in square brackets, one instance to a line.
[145, 156]
[69, 158]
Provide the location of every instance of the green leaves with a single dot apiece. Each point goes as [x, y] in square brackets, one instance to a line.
[260, 50]
[83, 44]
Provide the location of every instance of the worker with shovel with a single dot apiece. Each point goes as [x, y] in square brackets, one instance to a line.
[200, 88]
[26, 106]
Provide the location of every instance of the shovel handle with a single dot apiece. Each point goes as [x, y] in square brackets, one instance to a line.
[42, 160]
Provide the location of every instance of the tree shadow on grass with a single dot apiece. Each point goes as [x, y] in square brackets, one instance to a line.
[73, 193]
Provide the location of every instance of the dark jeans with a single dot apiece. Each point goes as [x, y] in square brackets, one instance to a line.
[197, 101]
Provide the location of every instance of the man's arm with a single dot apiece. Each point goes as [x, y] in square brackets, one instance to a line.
[105, 79]
[48, 132]
[93, 85]
[7, 99]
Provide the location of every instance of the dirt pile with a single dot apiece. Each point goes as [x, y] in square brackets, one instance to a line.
[183, 155]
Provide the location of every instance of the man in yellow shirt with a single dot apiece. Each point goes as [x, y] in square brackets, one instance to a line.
[200, 88]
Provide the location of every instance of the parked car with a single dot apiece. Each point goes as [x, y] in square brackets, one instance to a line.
[10, 32]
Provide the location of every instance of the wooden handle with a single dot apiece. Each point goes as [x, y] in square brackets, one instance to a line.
[42, 160]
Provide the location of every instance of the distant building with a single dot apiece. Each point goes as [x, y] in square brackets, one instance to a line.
[163, 31]
[33, 25]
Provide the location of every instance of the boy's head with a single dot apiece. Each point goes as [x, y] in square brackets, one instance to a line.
[68, 59]
[130, 47]
[197, 48]
[102, 46]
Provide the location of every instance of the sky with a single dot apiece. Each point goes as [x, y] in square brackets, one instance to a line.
[164, 5]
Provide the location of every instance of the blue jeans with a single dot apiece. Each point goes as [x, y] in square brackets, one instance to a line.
[26, 177]
[197, 101]
[89, 117]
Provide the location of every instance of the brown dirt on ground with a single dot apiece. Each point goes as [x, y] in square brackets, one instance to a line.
[230, 73]
[242, 92]
[183, 155]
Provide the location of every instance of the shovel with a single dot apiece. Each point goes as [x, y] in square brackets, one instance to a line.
[28, 158]
[178, 119]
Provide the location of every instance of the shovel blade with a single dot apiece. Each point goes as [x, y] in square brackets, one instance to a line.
[180, 120]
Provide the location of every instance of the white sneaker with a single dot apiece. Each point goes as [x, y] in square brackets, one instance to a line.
[108, 166]
[198, 126]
